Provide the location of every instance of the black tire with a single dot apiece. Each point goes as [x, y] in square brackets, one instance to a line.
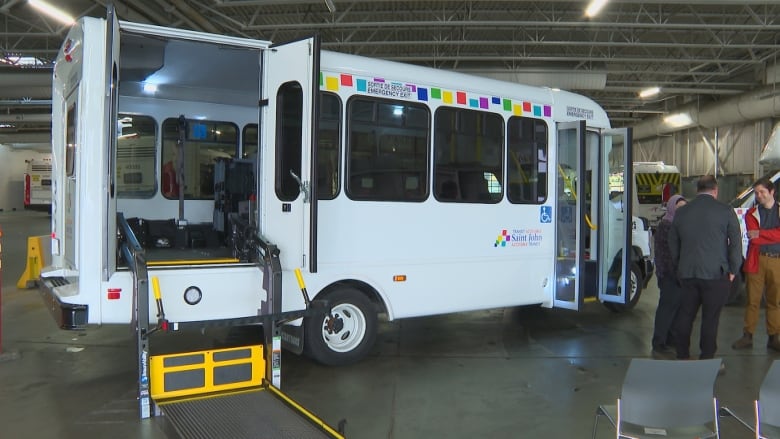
[636, 285]
[349, 336]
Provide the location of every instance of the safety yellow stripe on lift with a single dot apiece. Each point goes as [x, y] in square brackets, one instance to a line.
[193, 262]
[308, 414]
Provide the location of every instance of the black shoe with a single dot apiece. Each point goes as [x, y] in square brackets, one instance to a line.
[744, 342]
[773, 343]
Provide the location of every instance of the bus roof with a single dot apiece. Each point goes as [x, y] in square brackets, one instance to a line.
[566, 106]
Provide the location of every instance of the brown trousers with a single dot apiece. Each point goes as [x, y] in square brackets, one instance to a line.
[767, 279]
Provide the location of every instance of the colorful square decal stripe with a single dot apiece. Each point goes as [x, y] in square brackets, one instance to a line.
[424, 94]
[331, 83]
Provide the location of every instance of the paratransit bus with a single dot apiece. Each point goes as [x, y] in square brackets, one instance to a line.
[219, 165]
[37, 184]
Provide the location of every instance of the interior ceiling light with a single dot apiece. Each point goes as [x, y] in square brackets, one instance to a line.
[678, 120]
[595, 7]
[648, 92]
[52, 12]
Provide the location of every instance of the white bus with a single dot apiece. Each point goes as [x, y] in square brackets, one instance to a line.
[37, 184]
[398, 190]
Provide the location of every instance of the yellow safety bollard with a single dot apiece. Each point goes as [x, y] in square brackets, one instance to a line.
[34, 263]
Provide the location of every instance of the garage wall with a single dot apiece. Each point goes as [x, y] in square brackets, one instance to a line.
[693, 151]
[12, 167]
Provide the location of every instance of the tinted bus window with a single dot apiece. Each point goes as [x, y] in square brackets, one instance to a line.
[70, 141]
[526, 160]
[249, 141]
[467, 156]
[388, 150]
[328, 147]
[289, 141]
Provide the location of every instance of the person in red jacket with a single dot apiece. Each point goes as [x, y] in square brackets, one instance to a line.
[170, 179]
[762, 265]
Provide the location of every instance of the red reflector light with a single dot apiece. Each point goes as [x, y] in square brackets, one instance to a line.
[114, 293]
[26, 189]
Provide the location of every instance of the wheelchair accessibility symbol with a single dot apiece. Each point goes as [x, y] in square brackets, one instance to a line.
[545, 214]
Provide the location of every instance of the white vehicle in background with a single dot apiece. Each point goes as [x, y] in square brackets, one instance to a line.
[655, 183]
[37, 184]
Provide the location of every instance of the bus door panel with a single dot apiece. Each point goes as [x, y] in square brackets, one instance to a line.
[111, 125]
[615, 281]
[288, 128]
[570, 207]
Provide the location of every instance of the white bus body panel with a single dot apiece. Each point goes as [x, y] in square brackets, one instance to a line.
[228, 292]
[447, 251]
[79, 200]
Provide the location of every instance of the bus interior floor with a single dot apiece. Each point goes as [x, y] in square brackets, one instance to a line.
[504, 373]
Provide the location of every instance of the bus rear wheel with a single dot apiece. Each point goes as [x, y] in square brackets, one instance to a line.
[633, 295]
[347, 334]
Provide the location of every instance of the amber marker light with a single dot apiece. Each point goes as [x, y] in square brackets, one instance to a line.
[399, 278]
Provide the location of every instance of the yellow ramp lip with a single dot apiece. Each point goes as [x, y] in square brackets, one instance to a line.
[193, 262]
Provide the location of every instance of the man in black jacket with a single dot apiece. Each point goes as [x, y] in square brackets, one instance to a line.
[706, 246]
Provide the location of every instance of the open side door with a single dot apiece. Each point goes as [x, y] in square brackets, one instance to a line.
[568, 288]
[617, 282]
[110, 124]
[288, 125]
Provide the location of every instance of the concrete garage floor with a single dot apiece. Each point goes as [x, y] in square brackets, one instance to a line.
[507, 373]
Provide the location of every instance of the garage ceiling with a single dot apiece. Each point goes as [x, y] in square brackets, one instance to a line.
[695, 51]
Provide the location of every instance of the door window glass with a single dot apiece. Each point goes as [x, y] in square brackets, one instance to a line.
[135, 156]
[204, 142]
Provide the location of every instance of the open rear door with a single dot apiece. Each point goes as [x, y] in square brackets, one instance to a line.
[110, 126]
[617, 282]
[288, 125]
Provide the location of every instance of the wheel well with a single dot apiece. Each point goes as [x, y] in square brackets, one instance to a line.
[637, 258]
[361, 286]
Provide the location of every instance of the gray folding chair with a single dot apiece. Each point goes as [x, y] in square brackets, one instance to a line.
[665, 399]
[768, 404]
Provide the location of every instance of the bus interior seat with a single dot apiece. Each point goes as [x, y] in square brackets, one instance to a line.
[448, 190]
[473, 186]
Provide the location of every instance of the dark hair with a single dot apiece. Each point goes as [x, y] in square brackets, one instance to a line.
[706, 183]
[766, 183]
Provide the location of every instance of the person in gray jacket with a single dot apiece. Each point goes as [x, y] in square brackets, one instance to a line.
[706, 247]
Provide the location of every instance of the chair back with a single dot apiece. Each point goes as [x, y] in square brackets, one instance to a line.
[769, 396]
[669, 393]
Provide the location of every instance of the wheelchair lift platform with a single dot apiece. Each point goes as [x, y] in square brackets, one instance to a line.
[224, 393]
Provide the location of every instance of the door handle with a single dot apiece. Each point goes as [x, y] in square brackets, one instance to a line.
[303, 186]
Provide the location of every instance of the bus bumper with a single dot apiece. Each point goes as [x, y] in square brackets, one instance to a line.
[67, 315]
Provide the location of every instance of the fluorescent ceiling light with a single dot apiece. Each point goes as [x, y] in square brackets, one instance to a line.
[150, 88]
[52, 12]
[652, 91]
[595, 7]
[678, 120]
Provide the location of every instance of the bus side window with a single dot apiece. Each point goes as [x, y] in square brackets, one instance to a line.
[329, 146]
[136, 156]
[526, 160]
[387, 150]
[467, 152]
[205, 142]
